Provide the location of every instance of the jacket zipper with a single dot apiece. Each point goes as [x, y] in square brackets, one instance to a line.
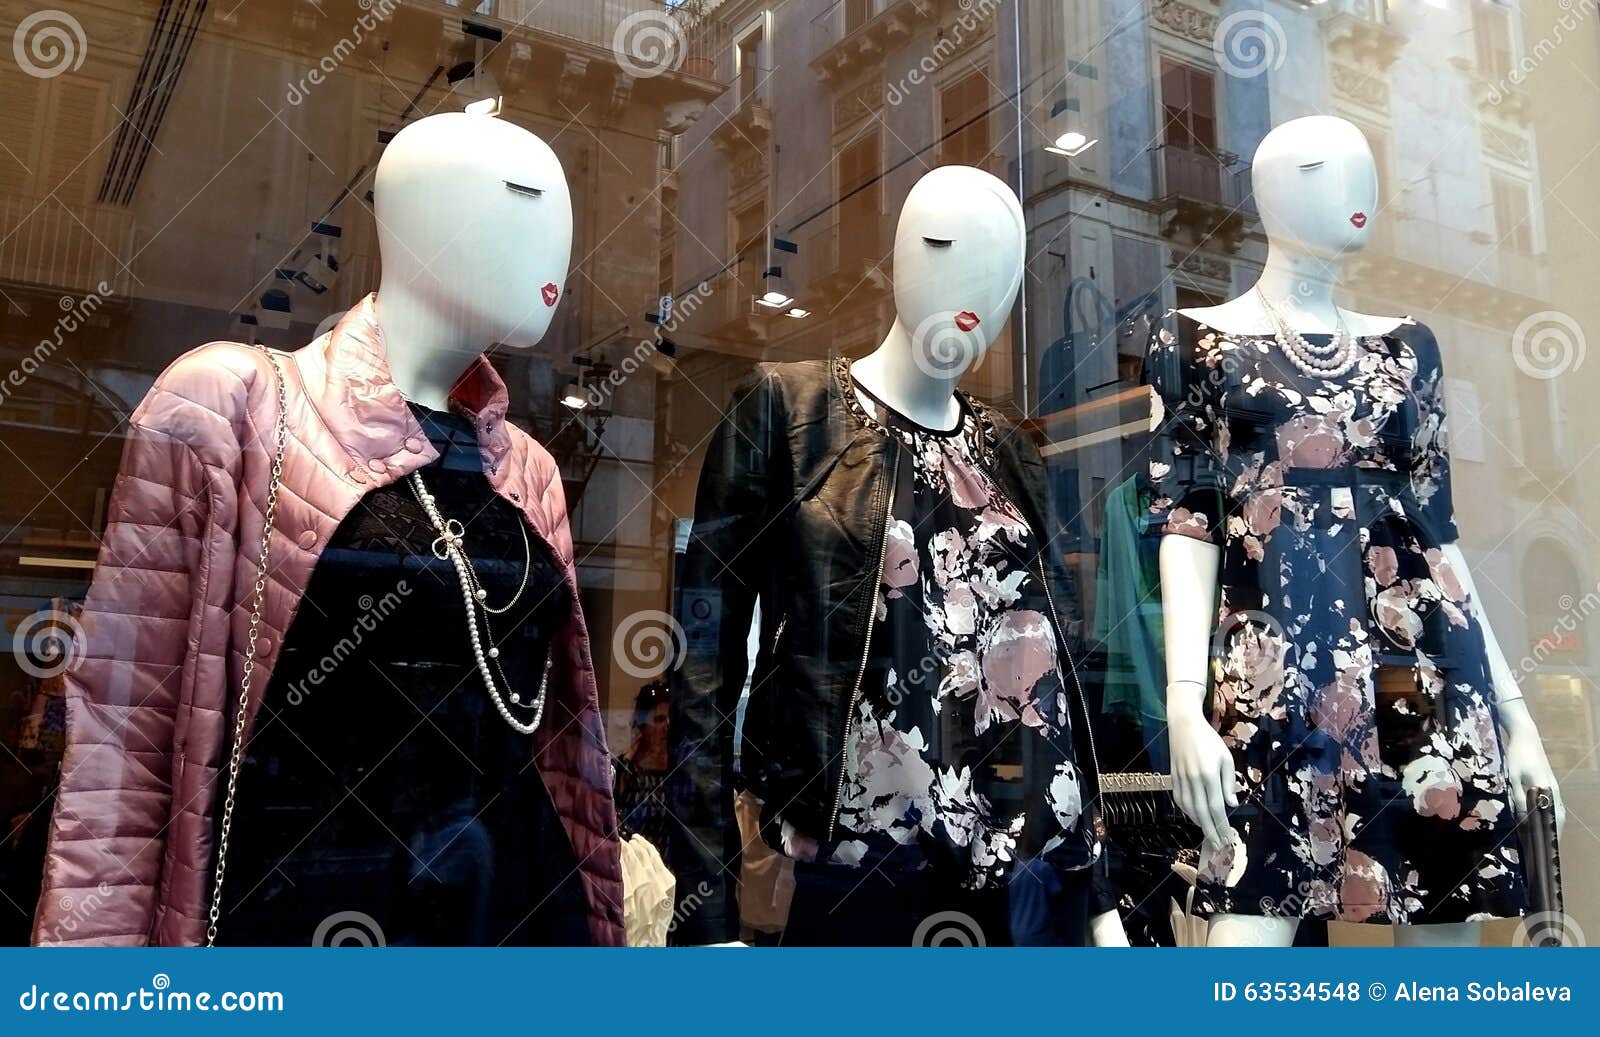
[866, 650]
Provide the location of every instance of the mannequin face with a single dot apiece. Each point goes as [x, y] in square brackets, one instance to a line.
[1316, 186]
[958, 253]
[475, 222]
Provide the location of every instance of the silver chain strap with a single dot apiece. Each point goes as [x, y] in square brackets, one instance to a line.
[257, 606]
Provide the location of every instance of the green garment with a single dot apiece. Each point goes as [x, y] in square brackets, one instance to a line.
[1127, 620]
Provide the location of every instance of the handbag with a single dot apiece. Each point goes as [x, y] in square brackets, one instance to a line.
[280, 434]
[1541, 860]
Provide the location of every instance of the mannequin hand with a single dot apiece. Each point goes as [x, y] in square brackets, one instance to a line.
[1202, 769]
[1106, 930]
[1526, 762]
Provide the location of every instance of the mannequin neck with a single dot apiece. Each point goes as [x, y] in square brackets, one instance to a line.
[1300, 287]
[892, 374]
[427, 351]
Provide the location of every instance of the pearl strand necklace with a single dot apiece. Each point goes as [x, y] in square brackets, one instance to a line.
[1327, 362]
[448, 545]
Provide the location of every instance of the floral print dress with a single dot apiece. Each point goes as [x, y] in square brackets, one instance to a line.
[1350, 677]
[960, 759]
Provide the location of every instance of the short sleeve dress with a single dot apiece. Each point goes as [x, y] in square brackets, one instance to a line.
[1330, 501]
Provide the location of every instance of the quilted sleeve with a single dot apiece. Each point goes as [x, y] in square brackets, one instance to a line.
[134, 658]
[571, 741]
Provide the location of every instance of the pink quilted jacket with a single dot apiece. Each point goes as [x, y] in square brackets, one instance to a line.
[165, 621]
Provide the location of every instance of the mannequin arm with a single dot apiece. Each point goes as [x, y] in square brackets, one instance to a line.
[1202, 766]
[1526, 763]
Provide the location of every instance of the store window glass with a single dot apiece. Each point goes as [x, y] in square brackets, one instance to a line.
[713, 542]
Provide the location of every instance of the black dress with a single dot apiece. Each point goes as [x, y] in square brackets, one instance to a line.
[382, 796]
[1351, 677]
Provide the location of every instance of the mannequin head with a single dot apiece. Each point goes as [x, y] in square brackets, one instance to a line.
[1316, 186]
[958, 253]
[474, 227]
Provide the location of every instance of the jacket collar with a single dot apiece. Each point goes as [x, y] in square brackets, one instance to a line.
[845, 387]
[350, 381]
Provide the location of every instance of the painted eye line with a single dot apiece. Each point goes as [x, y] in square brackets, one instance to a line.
[516, 188]
[938, 242]
[1306, 167]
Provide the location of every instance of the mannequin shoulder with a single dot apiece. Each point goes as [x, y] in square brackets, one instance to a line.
[1241, 316]
[207, 393]
[1368, 324]
[793, 388]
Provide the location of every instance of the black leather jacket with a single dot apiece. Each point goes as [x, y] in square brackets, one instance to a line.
[792, 508]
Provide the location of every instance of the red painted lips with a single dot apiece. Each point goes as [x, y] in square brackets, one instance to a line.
[966, 320]
[1359, 219]
[551, 293]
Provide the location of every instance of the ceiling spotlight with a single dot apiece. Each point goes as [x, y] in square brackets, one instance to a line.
[1071, 144]
[1067, 141]
[798, 312]
[574, 398]
[775, 300]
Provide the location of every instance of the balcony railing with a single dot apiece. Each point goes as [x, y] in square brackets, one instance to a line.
[1374, 11]
[611, 24]
[1467, 253]
[1198, 176]
[59, 246]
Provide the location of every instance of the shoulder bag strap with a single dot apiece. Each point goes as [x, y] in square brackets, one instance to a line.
[280, 434]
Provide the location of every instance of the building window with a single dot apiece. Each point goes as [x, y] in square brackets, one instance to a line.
[1513, 219]
[750, 72]
[1491, 29]
[750, 233]
[1189, 132]
[860, 202]
[856, 13]
[964, 122]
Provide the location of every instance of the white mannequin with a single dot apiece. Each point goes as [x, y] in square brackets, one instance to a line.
[1317, 190]
[468, 261]
[958, 255]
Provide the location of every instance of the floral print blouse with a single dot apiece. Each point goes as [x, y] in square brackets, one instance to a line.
[1350, 677]
[960, 753]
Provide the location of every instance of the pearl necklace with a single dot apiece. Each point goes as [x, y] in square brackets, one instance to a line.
[1326, 362]
[448, 545]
